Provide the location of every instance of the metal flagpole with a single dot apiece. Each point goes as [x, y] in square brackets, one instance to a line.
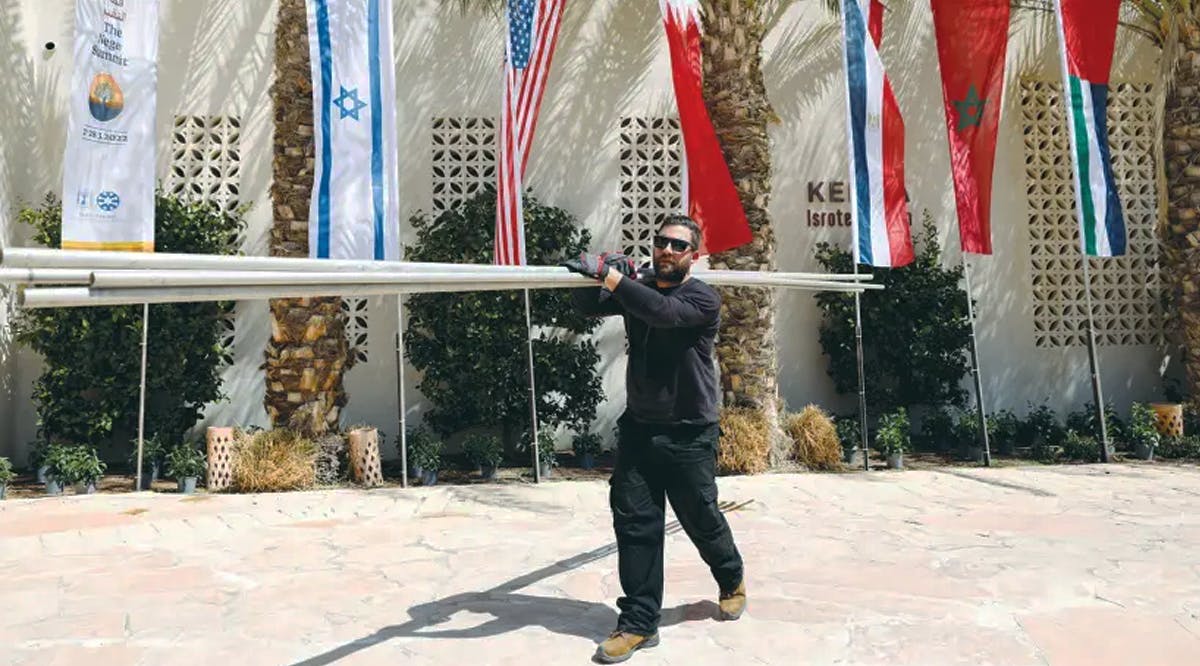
[142, 394]
[1095, 363]
[537, 462]
[987, 449]
[862, 376]
[400, 390]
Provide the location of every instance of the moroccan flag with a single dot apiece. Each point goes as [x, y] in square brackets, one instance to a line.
[708, 191]
[972, 38]
[875, 129]
[1087, 31]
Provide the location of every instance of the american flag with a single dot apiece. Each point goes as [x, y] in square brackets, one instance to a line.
[532, 34]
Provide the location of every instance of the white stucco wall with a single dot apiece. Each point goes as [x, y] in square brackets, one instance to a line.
[216, 59]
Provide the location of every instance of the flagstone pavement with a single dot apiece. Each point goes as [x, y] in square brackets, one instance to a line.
[1073, 565]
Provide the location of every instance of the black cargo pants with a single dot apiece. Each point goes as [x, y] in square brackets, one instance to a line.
[678, 462]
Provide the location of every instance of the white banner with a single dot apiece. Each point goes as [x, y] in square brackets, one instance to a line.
[355, 200]
[108, 173]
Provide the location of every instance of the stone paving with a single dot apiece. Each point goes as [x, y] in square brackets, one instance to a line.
[1080, 565]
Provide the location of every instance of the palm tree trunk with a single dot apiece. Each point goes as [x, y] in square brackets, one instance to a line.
[1181, 235]
[737, 102]
[308, 352]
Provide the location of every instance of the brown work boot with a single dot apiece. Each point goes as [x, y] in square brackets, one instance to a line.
[621, 645]
[733, 603]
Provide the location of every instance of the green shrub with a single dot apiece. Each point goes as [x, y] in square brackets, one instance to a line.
[586, 443]
[1081, 447]
[6, 472]
[483, 450]
[1084, 422]
[916, 333]
[1041, 431]
[185, 460]
[1003, 431]
[1179, 448]
[424, 449]
[937, 431]
[471, 347]
[893, 434]
[88, 390]
[849, 431]
[1143, 426]
[80, 465]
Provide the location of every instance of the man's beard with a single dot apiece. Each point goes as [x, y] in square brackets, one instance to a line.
[669, 271]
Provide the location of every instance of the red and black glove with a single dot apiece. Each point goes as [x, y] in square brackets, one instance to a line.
[623, 264]
[588, 265]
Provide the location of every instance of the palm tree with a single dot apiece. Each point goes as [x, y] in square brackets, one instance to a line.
[1174, 27]
[308, 352]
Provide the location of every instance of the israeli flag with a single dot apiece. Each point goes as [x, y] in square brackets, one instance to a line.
[355, 203]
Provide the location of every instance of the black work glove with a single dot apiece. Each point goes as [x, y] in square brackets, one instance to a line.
[621, 263]
[588, 265]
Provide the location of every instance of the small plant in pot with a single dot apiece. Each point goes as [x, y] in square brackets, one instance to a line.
[485, 452]
[53, 467]
[186, 464]
[892, 437]
[586, 446]
[425, 451]
[153, 452]
[6, 476]
[1143, 431]
[849, 433]
[418, 439]
[82, 468]
[546, 455]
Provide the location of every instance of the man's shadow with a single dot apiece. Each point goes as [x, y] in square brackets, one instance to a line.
[511, 611]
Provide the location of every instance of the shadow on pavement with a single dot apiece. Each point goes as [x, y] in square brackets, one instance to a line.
[512, 611]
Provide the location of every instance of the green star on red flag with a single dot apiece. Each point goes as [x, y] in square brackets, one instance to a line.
[970, 109]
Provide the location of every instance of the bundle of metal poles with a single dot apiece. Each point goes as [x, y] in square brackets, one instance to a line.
[69, 278]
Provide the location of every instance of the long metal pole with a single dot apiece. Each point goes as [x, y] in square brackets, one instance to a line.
[142, 393]
[862, 377]
[400, 390]
[987, 449]
[533, 416]
[1097, 391]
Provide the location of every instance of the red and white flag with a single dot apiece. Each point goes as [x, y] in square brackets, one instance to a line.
[709, 194]
[533, 27]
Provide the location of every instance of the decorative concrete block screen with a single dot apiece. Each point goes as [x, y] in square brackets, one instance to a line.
[651, 185]
[1125, 290]
[206, 166]
[464, 159]
[357, 313]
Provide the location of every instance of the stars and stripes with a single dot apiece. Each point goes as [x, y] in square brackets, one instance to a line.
[533, 27]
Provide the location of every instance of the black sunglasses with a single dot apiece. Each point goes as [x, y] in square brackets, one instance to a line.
[677, 244]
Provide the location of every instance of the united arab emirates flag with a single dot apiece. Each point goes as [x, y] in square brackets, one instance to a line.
[1087, 31]
[972, 39]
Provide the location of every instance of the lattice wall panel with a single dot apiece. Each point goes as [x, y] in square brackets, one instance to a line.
[206, 165]
[357, 318]
[464, 159]
[1125, 290]
[651, 180]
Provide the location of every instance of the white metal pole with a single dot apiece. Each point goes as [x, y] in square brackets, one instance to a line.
[862, 376]
[987, 447]
[537, 462]
[400, 390]
[142, 394]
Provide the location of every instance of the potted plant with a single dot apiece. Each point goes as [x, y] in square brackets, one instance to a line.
[546, 457]
[419, 439]
[37, 459]
[6, 476]
[53, 467]
[892, 438]
[586, 445]
[152, 457]
[850, 434]
[425, 451]
[186, 464]
[82, 468]
[485, 452]
[1144, 433]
